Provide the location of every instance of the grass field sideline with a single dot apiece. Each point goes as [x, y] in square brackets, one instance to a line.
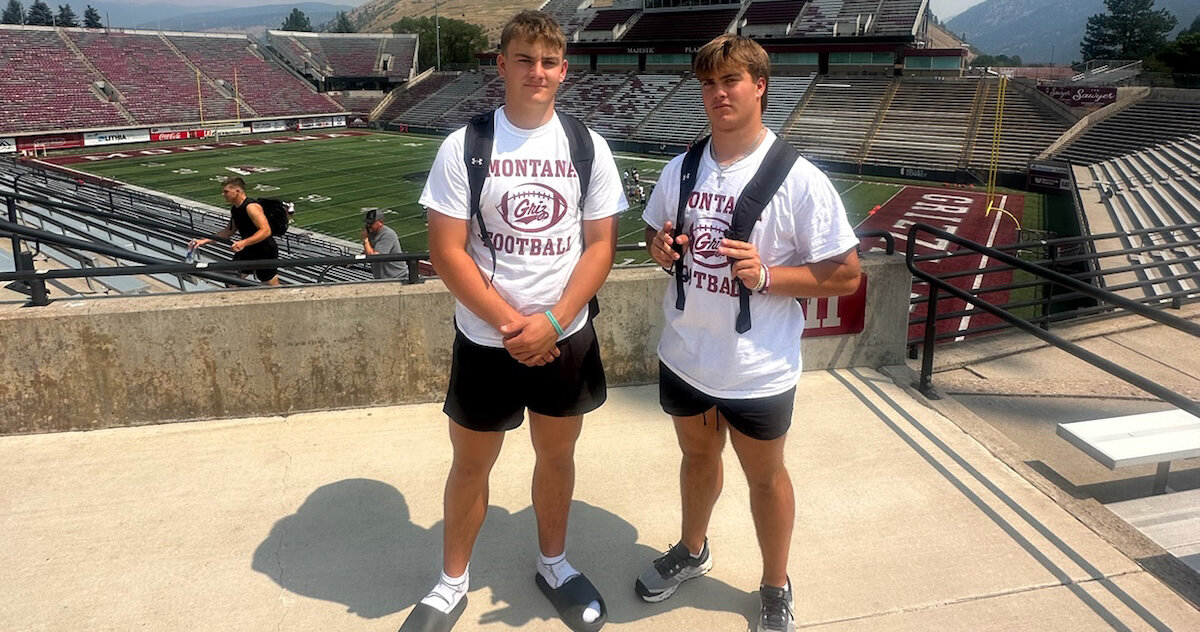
[332, 181]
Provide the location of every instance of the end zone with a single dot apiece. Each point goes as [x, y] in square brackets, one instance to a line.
[963, 213]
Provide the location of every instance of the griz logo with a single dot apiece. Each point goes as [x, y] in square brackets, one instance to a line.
[706, 236]
[532, 207]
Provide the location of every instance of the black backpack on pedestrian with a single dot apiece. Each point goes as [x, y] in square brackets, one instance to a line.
[279, 214]
[754, 198]
[477, 154]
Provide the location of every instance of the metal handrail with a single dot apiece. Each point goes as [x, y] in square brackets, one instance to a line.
[936, 285]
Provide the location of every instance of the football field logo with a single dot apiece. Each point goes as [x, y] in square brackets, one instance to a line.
[532, 208]
[706, 236]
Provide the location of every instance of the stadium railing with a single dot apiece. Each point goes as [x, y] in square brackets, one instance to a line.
[1050, 305]
[1108, 299]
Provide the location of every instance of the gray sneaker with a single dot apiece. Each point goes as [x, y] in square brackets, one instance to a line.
[669, 571]
[776, 613]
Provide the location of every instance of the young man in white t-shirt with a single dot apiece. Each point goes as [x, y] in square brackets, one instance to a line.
[710, 375]
[524, 336]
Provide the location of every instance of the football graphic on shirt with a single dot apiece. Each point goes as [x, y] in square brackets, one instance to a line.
[532, 207]
[706, 235]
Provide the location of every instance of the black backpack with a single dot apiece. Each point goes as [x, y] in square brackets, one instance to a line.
[754, 198]
[477, 154]
[279, 214]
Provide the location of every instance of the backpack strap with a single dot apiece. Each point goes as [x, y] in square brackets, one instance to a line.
[477, 154]
[583, 154]
[754, 198]
[687, 184]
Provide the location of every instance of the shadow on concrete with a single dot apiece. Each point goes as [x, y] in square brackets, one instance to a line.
[352, 542]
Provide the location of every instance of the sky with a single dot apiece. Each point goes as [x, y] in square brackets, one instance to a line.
[946, 9]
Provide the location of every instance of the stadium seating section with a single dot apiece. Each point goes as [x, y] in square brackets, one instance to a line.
[267, 88]
[606, 20]
[1145, 123]
[1156, 187]
[697, 25]
[836, 118]
[46, 86]
[409, 95]
[622, 113]
[347, 55]
[925, 125]
[66, 79]
[1027, 129]
[773, 12]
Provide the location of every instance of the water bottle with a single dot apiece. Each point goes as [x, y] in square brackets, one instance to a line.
[190, 257]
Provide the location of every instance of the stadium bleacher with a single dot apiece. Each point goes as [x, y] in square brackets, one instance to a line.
[1026, 130]
[360, 103]
[264, 86]
[349, 55]
[674, 119]
[588, 91]
[925, 125]
[409, 95]
[699, 24]
[1155, 187]
[629, 105]
[156, 85]
[438, 103]
[488, 96]
[46, 86]
[784, 93]
[836, 119]
[1143, 124]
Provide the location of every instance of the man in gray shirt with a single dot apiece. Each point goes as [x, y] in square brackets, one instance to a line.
[381, 240]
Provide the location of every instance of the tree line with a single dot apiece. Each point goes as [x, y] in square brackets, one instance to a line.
[40, 14]
[297, 21]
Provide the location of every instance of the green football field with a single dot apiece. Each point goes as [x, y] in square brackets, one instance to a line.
[332, 181]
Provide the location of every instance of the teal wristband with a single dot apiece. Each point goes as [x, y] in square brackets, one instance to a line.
[554, 321]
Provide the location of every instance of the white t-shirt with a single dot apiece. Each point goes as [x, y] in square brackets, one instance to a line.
[804, 223]
[530, 206]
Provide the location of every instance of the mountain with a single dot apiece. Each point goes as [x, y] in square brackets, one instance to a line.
[1042, 30]
[378, 15]
[243, 19]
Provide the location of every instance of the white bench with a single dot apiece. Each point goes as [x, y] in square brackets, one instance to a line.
[1138, 439]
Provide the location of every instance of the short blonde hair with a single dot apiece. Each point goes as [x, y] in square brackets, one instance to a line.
[533, 26]
[735, 53]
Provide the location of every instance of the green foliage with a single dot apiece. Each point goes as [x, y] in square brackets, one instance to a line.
[91, 18]
[341, 24]
[14, 13]
[66, 17]
[1183, 54]
[1131, 29]
[996, 60]
[460, 40]
[39, 14]
[296, 21]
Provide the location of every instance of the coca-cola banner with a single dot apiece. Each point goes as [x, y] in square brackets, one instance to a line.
[1085, 96]
[179, 133]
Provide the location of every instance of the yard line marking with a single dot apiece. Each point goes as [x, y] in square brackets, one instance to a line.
[978, 282]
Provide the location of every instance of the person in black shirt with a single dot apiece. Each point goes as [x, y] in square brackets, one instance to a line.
[250, 223]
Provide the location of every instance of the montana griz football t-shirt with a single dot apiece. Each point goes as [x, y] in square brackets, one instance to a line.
[530, 205]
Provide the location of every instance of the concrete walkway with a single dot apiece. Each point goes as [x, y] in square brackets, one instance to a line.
[330, 521]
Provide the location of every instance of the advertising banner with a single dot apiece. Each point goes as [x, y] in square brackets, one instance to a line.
[268, 126]
[178, 133]
[55, 141]
[1079, 97]
[836, 315]
[8, 145]
[92, 139]
[318, 123]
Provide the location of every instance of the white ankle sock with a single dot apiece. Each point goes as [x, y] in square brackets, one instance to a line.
[556, 571]
[448, 591]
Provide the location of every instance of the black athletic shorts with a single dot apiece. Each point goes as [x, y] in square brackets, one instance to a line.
[265, 249]
[763, 418]
[489, 390]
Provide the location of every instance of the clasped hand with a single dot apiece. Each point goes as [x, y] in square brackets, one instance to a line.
[531, 340]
